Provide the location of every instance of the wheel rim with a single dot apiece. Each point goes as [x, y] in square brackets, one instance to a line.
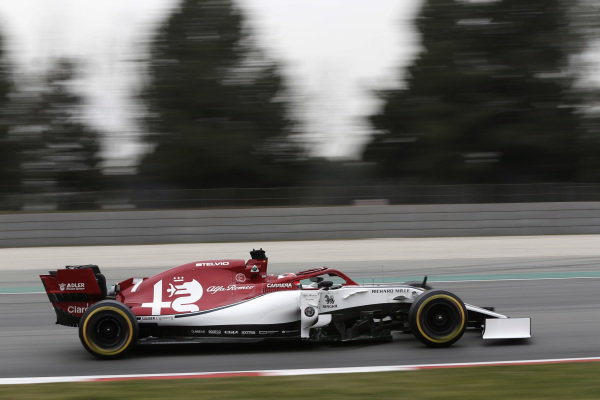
[440, 319]
[108, 332]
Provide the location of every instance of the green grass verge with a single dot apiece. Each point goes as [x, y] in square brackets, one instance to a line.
[555, 381]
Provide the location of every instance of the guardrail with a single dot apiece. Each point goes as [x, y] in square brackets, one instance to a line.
[306, 223]
[300, 196]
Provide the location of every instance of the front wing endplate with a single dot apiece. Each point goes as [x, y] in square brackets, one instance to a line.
[507, 328]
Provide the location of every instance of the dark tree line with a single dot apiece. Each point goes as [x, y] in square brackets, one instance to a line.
[217, 116]
[9, 165]
[51, 153]
[218, 110]
[489, 99]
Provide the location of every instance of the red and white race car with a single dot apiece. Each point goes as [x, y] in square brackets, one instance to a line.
[237, 299]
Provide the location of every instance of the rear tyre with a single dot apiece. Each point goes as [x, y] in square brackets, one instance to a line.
[438, 318]
[108, 329]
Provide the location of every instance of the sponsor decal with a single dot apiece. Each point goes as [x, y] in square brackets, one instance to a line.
[154, 317]
[239, 333]
[279, 285]
[309, 311]
[329, 302]
[267, 332]
[71, 286]
[77, 309]
[382, 291]
[391, 290]
[213, 264]
[230, 288]
[241, 278]
[186, 294]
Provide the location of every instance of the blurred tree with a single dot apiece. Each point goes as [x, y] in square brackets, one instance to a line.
[489, 99]
[585, 15]
[9, 155]
[217, 112]
[58, 151]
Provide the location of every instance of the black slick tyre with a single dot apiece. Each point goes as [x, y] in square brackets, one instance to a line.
[108, 329]
[438, 318]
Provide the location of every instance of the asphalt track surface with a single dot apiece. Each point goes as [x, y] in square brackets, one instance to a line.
[565, 312]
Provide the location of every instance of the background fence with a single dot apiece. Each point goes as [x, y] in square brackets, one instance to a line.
[297, 223]
[323, 195]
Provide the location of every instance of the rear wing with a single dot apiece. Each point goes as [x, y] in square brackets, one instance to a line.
[72, 290]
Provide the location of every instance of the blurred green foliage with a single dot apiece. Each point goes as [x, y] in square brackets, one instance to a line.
[491, 98]
[46, 146]
[9, 164]
[495, 97]
[57, 149]
[218, 115]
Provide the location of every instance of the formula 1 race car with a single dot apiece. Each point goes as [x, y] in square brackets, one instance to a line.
[237, 299]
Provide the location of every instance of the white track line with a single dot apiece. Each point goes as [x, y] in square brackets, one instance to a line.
[284, 372]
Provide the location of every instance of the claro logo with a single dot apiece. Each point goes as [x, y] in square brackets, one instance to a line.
[213, 264]
[77, 309]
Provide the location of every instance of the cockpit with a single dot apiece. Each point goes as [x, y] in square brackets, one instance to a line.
[322, 278]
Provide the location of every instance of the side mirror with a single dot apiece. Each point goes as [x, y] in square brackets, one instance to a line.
[325, 284]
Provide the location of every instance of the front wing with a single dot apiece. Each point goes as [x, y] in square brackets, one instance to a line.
[500, 326]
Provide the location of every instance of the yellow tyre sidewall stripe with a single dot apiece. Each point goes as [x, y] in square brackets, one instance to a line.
[454, 333]
[92, 346]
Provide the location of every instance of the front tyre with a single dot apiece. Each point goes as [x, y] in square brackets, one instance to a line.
[438, 318]
[108, 329]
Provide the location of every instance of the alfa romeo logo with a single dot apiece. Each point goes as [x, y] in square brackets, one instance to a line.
[309, 311]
